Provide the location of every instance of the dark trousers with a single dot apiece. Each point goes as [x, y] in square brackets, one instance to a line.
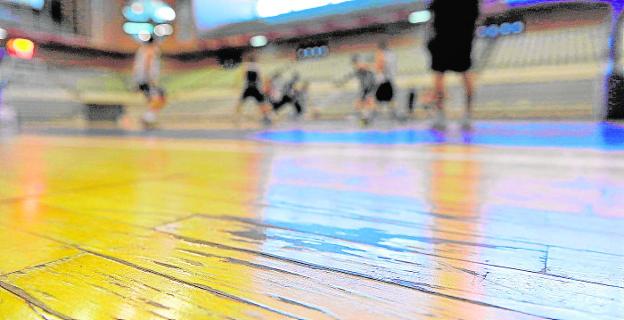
[286, 100]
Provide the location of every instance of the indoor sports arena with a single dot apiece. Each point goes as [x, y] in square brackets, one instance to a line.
[311, 159]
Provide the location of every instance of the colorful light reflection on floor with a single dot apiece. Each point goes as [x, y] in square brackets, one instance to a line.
[202, 224]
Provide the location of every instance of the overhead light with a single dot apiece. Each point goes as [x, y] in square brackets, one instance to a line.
[34, 4]
[165, 14]
[138, 27]
[517, 27]
[21, 48]
[144, 36]
[258, 41]
[137, 8]
[37, 4]
[272, 8]
[419, 16]
[131, 15]
[492, 31]
[163, 30]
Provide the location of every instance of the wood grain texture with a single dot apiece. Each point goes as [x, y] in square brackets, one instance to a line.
[101, 228]
[14, 305]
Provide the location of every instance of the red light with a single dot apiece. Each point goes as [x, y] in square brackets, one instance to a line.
[21, 48]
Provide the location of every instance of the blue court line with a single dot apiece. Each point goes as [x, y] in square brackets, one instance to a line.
[583, 135]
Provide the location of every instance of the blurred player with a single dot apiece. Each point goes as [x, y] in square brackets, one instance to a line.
[273, 88]
[385, 67]
[365, 103]
[427, 101]
[156, 102]
[146, 74]
[291, 95]
[252, 89]
[454, 27]
[412, 97]
[301, 95]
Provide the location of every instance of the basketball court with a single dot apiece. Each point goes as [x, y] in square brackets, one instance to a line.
[270, 159]
[516, 220]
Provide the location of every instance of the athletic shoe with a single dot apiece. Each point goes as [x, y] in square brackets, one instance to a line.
[148, 126]
[439, 123]
[149, 117]
[149, 120]
[401, 118]
[366, 118]
[296, 116]
[466, 124]
[365, 122]
[394, 115]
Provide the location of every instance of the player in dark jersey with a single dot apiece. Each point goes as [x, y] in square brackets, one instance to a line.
[253, 84]
[290, 95]
[301, 95]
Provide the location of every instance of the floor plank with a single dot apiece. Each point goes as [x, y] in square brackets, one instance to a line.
[14, 307]
[91, 226]
[450, 277]
[281, 285]
[20, 250]
[117, 291]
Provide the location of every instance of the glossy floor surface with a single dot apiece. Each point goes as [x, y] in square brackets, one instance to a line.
[513, 221]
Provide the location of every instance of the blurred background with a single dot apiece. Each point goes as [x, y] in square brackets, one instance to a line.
[70, 61]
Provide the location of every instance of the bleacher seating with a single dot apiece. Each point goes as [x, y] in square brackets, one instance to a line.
[552, 47]
[212, 87]
[585, 44]
[40, 91]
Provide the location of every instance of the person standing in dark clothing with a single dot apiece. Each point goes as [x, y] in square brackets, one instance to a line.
[451, 49]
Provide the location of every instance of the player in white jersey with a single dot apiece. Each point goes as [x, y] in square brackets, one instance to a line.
[146, 74]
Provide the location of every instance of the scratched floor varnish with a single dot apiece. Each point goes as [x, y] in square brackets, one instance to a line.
[269, 227]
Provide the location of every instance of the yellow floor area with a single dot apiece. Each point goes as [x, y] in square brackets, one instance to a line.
[146, 228]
